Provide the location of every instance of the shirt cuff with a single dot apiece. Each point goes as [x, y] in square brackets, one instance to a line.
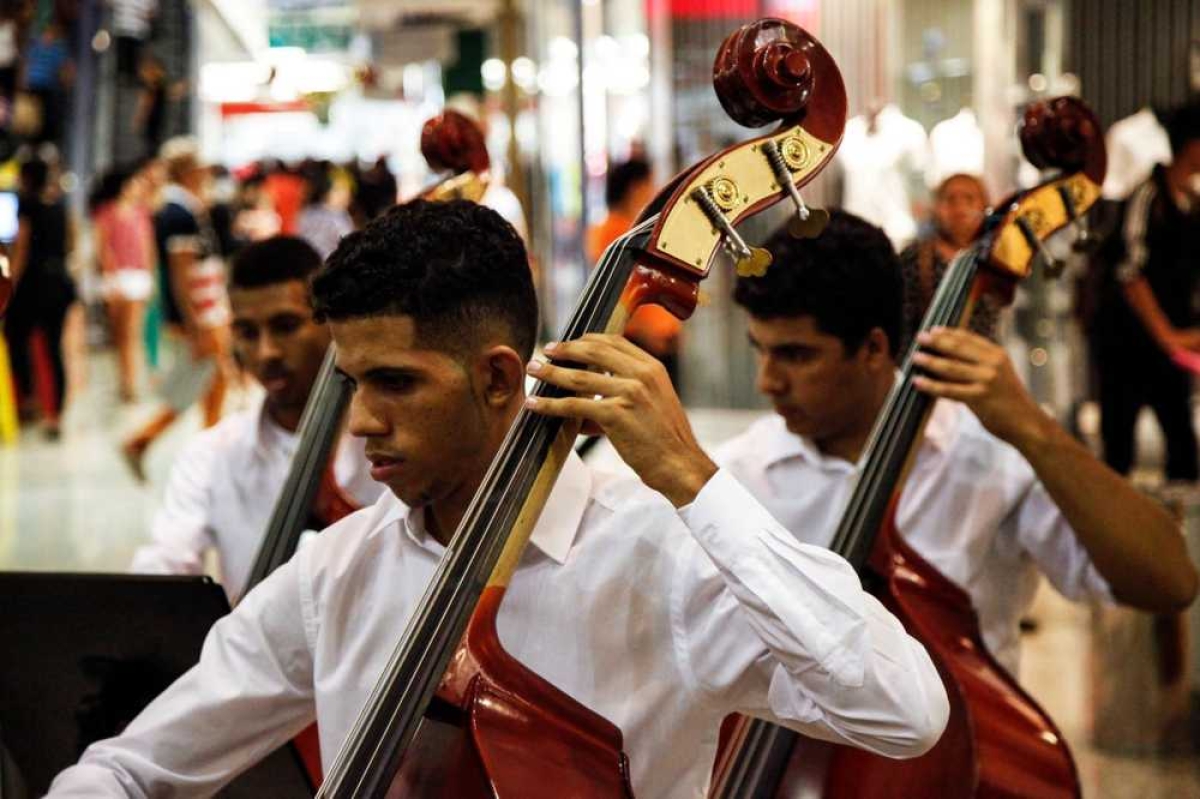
[724, 504]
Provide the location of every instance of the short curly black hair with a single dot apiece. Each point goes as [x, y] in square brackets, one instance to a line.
[278, 259]
[848, 280]
[456, 268]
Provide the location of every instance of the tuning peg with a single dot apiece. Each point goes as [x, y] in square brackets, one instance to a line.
[808, 222]
[750, 261]
[811, 227]
[1084, 240]
[1053, 266]
[756, 264]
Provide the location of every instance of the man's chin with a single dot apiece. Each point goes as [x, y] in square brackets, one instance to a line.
[413, 498]
[796, 424]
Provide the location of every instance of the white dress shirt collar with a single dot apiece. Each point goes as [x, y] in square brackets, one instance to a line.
[554, 533]
[782, 444]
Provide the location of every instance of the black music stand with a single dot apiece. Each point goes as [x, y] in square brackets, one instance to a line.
[82, 654]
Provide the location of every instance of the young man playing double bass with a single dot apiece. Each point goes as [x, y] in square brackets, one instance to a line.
[225, 482]
[998, 491]
[662, 606]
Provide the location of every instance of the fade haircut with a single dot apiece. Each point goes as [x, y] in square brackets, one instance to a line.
[848, 280]
[457, 268]
[278, 259]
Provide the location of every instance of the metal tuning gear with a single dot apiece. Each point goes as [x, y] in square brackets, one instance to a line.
[751, 261]
[1053, 266]
[1084, 241]
[808, 222]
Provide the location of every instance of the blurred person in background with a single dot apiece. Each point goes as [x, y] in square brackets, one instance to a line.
[1147, 327]
[629, 189]
[154, 93]
[286, 189]
[132, 23]
[48, 72]
[124, 242]
[254, 217]
[11, 18]
[195, 304]
[960, 203]
[44, 288]
[324, 219]
[375, 191]
[222, 204]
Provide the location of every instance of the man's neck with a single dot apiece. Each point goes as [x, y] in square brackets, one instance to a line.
[443, 517]
[849, 445]
[287, 418]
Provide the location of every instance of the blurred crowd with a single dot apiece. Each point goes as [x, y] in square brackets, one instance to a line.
[150, 250]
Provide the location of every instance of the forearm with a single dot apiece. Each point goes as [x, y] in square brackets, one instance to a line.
[1132, 541]
[834, 645]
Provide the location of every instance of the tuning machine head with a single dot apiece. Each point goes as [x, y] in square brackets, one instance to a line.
[808, 222]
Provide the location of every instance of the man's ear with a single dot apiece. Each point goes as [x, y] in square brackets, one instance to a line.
[877, 349]
[500, 374]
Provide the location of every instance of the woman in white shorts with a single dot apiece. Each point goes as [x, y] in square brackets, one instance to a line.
[124, 235]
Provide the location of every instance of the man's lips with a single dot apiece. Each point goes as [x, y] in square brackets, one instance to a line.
[384, 467]
[275, 381]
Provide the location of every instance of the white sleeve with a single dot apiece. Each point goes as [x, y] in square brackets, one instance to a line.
[783, 630]
[1043, 532]
[180, 533]
[250, 692]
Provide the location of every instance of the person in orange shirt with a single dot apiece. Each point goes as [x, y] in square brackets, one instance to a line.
[629, 189]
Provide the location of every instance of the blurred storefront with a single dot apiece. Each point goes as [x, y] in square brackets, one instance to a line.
[569, 88]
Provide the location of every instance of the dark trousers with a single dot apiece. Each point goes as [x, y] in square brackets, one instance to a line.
[1127, 384]
[19, 328]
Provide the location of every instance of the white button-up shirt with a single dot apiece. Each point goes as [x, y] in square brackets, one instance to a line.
[663, 621]
[972, 507]
[222, 490]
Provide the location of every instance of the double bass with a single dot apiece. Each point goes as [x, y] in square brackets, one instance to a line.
[453, 714]
[999, 742]
[311, 498]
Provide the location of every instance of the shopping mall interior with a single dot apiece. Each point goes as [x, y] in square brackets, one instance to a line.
[889, 315]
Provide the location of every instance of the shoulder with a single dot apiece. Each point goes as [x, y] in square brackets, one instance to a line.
[174, 216]
[349, 544]
[235, 433]
[976, 452]
[621, 508]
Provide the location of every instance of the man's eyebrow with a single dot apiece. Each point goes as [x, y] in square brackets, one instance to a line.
[391, 371]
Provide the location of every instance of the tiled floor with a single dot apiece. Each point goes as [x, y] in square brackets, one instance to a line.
[72, 505]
